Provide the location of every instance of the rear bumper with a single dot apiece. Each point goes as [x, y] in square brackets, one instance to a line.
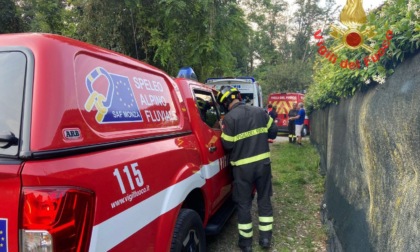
[283, 129]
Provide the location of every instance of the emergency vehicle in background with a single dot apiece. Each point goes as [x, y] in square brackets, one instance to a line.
[101, 152]
[250, 90]
[284, 102]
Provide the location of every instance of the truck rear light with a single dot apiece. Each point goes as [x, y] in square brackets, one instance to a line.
[36, 240]
[56, 219]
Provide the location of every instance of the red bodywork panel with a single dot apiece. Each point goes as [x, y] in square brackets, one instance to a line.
[9, 208]
[116, 127]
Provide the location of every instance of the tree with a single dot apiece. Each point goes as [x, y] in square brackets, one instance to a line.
[269, 24]
[309, 17]
[9, 20]
[290, 76]
[106, 24]
[43, 15]
[211, 36]
[292, 69]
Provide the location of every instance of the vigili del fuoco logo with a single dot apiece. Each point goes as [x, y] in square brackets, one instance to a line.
[352, 16]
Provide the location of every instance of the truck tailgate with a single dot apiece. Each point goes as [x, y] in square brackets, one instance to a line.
[9, 204]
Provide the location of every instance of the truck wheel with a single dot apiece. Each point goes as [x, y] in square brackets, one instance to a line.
[189, 234]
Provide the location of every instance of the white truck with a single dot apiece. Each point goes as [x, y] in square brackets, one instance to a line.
[251, 91]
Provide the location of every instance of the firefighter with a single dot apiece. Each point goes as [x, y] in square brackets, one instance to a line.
[291, 126]
[203, 106]
[246, 130]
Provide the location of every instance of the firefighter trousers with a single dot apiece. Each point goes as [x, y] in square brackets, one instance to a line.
[291, 129]
[256, 174]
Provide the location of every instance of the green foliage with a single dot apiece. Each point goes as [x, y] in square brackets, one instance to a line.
[9, 21]
[214, 37]
[267, 18]
[281, 42]
[108, 24]
[298, 188]
[287, 77]
[331, 82]
[43, 15]
[308, 13]
[210, 36]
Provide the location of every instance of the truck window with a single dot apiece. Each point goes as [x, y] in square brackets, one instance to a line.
[248, 99]
[207, 108]
[251, 91]
[12, 80]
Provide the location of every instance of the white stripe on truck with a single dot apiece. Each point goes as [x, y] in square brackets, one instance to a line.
[116, 229]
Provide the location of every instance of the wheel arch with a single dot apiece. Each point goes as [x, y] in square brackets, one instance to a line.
[191, 197]
[195, 201]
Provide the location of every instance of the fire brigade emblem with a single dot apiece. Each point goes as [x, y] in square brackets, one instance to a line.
[352, 16]
[113, 99]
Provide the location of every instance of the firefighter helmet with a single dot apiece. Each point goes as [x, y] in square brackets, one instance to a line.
[227, 94]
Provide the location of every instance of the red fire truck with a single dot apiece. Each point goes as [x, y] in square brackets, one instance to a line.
[100, 152]
[283, 103]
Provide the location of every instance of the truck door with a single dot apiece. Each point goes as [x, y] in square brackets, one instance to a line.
[207, 127]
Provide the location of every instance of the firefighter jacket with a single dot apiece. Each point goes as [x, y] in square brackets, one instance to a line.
[292, 113]
[246, 130]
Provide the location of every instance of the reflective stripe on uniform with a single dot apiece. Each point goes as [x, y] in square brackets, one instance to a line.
[270, 121]
[245, 234]
[249, 160]
[266, 227]
[244, 135]
[244, 226]
[249, 133]
[245, 230]
[266, 219]
[266, 223]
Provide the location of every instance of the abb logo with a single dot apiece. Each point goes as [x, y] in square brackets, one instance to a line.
[72, 134]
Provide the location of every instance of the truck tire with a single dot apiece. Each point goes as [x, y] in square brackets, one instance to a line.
[189, 233]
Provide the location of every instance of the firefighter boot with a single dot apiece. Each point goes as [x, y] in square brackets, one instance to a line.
[265, 243]
[245, 244]
[245, 248]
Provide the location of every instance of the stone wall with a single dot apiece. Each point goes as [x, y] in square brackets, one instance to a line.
[370, 156]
